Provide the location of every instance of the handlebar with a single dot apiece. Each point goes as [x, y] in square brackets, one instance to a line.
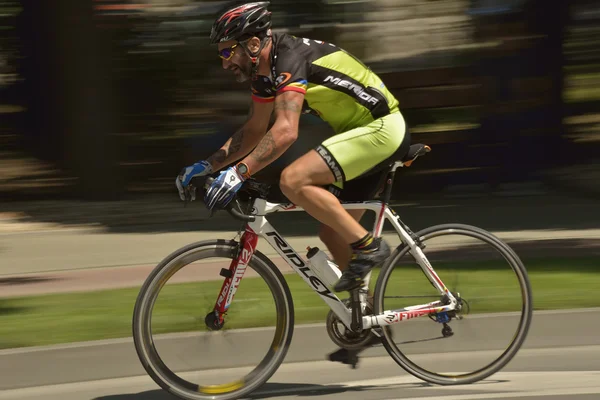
[238, 215]
[234, 212]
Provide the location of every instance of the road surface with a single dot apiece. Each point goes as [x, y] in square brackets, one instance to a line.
[560, 360]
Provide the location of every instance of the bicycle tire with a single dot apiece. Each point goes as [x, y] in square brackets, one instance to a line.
[524, 322]
[144, 344]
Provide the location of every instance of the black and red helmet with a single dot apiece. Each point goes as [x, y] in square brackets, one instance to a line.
[241, 22]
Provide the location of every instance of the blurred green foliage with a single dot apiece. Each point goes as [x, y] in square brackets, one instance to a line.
[134, 89]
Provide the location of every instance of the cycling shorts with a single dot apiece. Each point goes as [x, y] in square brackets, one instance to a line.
[358, 151]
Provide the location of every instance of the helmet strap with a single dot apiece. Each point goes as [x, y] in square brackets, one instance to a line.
[255, 57]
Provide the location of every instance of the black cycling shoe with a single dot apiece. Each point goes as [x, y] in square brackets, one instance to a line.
[345, 356]
[361, 263]
[350, 357]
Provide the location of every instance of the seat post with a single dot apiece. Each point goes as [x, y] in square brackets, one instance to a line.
[389, 181]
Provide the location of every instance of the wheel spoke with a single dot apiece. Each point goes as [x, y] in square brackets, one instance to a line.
[492, 281]
[186, 363]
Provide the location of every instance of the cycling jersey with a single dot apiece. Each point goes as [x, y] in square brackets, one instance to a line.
[338, 87]
[369, 129]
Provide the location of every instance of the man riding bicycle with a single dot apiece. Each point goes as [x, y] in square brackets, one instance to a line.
[291, 76]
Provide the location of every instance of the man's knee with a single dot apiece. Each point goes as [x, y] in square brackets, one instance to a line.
[290, 180]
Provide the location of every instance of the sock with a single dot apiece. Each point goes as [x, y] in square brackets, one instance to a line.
[366, 243]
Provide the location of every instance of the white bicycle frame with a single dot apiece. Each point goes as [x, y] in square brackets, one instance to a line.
[261, 227]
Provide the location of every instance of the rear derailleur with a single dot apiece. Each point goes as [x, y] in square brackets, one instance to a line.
[446, 316]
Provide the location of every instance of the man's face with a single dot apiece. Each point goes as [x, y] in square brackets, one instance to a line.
[239, 63]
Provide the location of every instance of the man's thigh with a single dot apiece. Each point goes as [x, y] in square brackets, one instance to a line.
[309, 169]
[353, 153]
[363, 188]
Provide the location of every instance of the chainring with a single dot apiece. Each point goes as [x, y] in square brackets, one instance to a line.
[344, 337]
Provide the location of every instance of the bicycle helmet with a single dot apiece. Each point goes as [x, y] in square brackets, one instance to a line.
[241, 22]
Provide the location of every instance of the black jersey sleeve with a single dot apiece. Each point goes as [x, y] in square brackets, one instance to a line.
[291, 71]
[263, 90]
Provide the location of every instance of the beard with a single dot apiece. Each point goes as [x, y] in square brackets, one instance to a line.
[244, 70]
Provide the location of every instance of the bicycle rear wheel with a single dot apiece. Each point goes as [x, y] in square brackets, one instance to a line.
[196, 363]
[492, 284]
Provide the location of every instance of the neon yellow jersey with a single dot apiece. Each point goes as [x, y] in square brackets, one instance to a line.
[338, 87]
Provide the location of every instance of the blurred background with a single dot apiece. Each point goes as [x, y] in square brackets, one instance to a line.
[108, 100]
[103, 102]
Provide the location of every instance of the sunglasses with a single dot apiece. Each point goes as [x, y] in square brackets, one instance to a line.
[227, 52]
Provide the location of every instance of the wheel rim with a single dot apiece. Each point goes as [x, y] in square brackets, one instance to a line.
[182, 387]
[411, 359]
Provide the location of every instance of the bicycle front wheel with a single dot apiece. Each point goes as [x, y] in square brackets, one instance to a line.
[465, 346]
[170, 321]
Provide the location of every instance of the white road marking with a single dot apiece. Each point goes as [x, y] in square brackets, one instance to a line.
[503, 385]
[520, 395]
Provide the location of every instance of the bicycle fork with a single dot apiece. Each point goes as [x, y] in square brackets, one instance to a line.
[233, 276]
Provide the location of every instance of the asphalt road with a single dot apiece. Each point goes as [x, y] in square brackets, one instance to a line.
[527, 378]
[560, 360]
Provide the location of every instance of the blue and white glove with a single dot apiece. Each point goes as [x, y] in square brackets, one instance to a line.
[223, 189]
[183, 179]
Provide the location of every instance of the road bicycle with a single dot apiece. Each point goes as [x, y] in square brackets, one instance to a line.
[351, 323]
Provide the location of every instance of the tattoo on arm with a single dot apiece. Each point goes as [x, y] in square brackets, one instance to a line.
[236, 142]
[233, 145]
[266, 149]
[288, 105]
[218, 157]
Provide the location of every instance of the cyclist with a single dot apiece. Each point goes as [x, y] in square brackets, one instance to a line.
[290, 76]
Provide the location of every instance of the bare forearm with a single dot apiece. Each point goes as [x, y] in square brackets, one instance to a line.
[236, 147]
[278, 139]
[270, 148]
